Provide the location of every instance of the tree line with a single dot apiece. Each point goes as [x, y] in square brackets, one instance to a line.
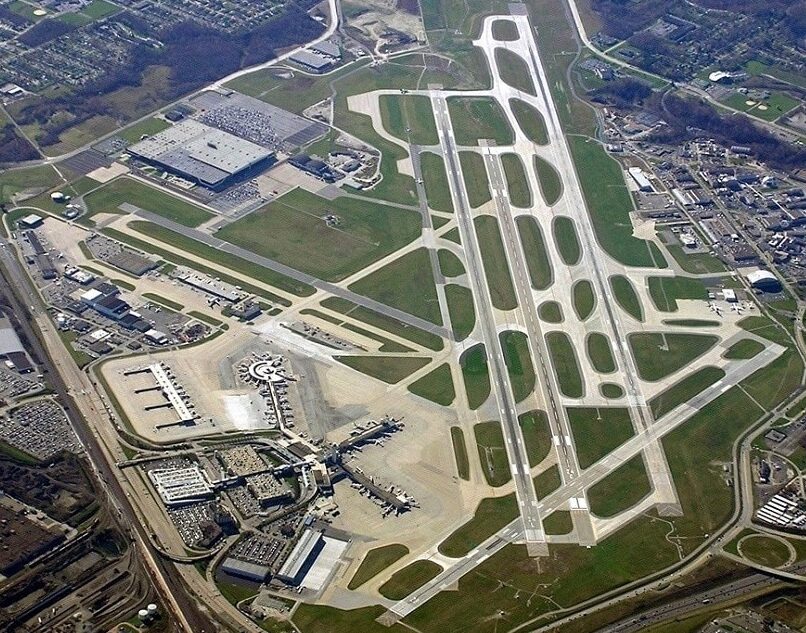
[194, 55]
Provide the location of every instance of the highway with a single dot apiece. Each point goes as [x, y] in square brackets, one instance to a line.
[560, 497]
[499, 374]
[597, 266]
[65, 379]
[686, 606]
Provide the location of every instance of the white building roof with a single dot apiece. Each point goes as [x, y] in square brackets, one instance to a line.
[299, 556]
[176, 485]
[760, 275]
[9, 341]
[30, 220]
[91, 295]
[201, 151]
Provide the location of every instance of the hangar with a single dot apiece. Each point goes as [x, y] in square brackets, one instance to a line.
[202, 154]
[764, 280]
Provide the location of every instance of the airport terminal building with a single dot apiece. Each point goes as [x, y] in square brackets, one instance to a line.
[202, 154]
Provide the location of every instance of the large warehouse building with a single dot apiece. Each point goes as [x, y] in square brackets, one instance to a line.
[202, 154]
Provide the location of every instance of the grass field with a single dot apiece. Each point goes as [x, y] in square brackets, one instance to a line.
[199, 249]
[697, 263]
[407, 283]
[492, 453]
[547, 482]
[26, 10]
[460, 453]
[621, 489]
[492, 514]
[435, 181]
[406, 580]
[598, 431]
[770, 109]
[530, 121]
[537, 435]
[567, 576]
[690, 323]
[534, 248]
[17, 455]
[609, 203]
[476, 118]
[756, 68]
[409, 118]
[766, 328]
[565, 235]
[584, 299]
[285, 229]
[665, 291]
[505, 31]
[514, 71]
[565, 364]
[450, 264]
[496, 267]
[438, 221]
[93, 11]
[476, 375]
[206, 318]
[558, 522]
[436, 386]
[777, 381]
[387, 345]
[108, 198]
[550, 184]
[375, 561]
[684, 390]
[744, 349]
[627, 297]
[314, 618]
[168, 303]
[460, 310]
[611, 390]
[518, 360]
[694, 451]
[36, 179]
[477, 185]
[764, 550]
[452, 235]
[234, 592]
[518, 187]
[658, 355]
[390, 369]
[393, 326]
[550, 312]
[149, 127]
[600, 353]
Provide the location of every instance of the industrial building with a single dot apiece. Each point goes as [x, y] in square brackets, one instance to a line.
[30, 221]
[180, 485]
[106, 302]
[640, 179]
[301, 558]
[202, 154]
[312, 61]
[166, 385]
[327, 48]
[244, 569]
[764, 280]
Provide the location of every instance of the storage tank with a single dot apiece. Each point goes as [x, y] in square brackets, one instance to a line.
[142, 614]
[152, 609]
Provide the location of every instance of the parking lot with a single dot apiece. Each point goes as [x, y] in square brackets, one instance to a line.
[39, 428]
